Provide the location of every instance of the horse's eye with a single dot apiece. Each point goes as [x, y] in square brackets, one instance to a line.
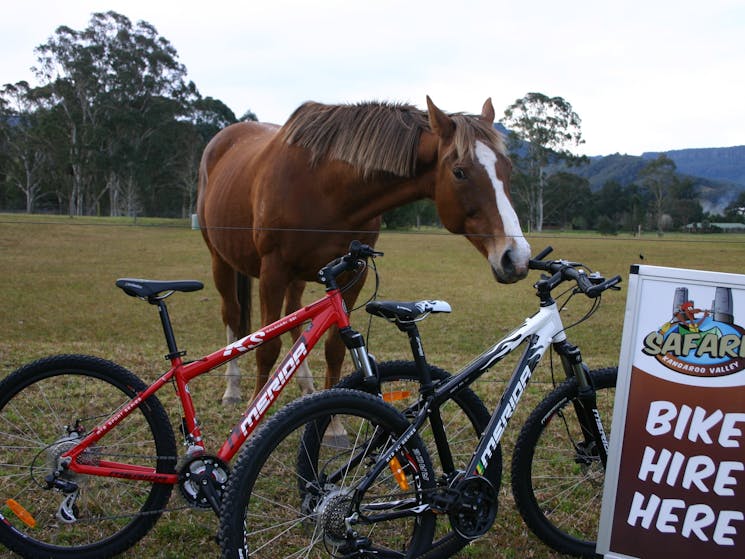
[459, 173]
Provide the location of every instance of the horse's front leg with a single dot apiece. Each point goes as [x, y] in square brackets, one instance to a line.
[227, 285]
[293, 301]
[232, 394]
[273, 282]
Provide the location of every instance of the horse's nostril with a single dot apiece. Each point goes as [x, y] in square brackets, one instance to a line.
[508, 264]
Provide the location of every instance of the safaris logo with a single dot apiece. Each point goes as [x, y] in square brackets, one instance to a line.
[699, 342]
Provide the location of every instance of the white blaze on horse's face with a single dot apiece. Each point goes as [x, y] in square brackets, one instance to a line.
[509, 255]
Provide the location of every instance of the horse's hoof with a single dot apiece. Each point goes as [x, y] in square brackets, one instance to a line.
[336, 441]
[230, 401]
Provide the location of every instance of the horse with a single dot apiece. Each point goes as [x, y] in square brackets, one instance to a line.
[277, 203]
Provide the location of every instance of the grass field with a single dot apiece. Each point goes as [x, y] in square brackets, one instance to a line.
[58, 296]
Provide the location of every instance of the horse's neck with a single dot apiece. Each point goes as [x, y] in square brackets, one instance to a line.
[376, 196]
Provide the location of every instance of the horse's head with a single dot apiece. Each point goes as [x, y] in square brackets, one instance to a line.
[472, 189]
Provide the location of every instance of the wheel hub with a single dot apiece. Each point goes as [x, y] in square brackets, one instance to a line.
[331, 516]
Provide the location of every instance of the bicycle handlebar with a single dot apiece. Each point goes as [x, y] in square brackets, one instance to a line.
[358, 252]
[562, 270]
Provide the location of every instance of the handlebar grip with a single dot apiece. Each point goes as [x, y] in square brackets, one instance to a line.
[545, 252]
[596, 290]
[359, 250]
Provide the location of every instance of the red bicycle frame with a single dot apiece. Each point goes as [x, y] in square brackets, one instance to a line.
[322, 315]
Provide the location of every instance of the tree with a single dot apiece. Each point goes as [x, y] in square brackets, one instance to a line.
[735, 210]
[658, 177]
[685, 207]
[547, 127]
[415, 214]
[119, 87]
[24, 152]
[569, 200]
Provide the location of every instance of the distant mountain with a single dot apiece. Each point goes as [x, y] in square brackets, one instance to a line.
[718, 174]
[726, 164]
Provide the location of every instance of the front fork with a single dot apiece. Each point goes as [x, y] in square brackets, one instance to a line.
[362, 360]
[585, 405]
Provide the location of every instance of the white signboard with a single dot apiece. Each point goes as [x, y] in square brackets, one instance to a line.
[675, 482]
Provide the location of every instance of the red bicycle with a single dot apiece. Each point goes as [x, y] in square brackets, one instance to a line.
[80, 480]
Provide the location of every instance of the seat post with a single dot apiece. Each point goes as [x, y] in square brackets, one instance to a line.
[165, 321]
[417, 350]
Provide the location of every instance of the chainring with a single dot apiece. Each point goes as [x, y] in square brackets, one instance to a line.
[203, 480]
[475, 507]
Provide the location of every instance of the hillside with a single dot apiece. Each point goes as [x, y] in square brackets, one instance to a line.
[725, 164]
[717, 173]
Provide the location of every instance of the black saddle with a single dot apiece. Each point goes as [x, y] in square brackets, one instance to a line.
[406, 311]
[147, 289]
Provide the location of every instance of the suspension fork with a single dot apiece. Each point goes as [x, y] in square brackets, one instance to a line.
[586, 404]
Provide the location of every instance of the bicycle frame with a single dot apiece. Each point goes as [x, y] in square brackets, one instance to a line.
[322, 315]
[540, 331]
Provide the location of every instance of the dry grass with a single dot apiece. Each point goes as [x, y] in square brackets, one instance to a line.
[58, 296]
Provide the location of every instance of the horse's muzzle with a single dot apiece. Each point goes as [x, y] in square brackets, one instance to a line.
[512, 267]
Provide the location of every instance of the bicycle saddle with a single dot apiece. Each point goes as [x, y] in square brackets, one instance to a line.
[406, 311]
[145, 288]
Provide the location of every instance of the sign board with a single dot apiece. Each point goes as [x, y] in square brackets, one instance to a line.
[675, 481]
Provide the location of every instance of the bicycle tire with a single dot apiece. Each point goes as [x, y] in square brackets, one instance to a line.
[37, 404]
[558, 484]
[266, 491]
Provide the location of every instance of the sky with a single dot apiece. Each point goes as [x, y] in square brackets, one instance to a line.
[652, 75]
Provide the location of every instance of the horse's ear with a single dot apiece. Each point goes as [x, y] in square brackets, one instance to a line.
[487, 112]
[441, 124]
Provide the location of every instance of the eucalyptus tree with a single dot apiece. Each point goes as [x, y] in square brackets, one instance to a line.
[658, 177]
[542, 131]
[569, 201]
[23, 142]
[121, 91]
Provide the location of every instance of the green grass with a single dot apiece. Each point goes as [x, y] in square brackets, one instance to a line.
[58, 296]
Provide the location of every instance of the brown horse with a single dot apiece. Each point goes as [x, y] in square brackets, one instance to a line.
[277, 203]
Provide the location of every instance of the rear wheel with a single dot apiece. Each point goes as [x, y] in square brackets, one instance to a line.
[289, 498]
[557, 474]
[45, 408]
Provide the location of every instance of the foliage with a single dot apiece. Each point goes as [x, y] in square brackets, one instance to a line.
[550, 127]
[735, 210]
[416, 214]
[113, 128]
[566, 196]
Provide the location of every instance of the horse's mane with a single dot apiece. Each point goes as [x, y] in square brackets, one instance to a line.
[375, 137]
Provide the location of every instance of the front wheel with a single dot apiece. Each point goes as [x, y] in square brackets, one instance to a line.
[557, 474]
[45, 408]
[293, 491]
